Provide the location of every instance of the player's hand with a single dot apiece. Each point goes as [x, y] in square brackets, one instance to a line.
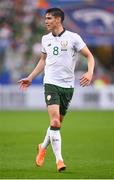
[86, 78]
[25, 83]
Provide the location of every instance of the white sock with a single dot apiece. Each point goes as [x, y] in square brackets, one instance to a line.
[46, 141]
[55, 138]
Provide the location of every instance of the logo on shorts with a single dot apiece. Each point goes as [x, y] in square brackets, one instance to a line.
[48, 97]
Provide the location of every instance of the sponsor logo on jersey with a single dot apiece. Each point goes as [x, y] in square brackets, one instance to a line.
[64, 45]
[49, 45]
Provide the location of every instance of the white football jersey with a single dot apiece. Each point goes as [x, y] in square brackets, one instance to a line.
[61, 58]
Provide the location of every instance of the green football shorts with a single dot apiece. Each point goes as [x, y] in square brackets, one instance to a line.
[58, 95]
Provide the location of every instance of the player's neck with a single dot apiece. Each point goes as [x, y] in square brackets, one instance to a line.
[58, 30]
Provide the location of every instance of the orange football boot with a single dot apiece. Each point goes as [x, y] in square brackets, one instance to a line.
[40, 156]
[61, 166]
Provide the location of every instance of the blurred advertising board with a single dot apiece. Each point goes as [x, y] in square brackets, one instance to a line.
[11, 98]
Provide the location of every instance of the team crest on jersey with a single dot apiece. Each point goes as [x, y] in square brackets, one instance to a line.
[48, 97]
[64, 45]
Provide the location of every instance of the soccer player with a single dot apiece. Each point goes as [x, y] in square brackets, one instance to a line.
[58, 59]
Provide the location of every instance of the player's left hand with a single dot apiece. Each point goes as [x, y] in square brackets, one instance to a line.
[86, 78]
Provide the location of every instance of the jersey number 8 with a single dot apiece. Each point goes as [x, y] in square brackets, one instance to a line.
[55, 50]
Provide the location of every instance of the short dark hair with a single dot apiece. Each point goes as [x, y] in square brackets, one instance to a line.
[57, 12]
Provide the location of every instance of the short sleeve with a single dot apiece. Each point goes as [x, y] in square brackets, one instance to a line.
[43, 48]
[79, 43]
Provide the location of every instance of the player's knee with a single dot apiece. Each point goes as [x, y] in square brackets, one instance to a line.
[55, 123]
[55, 119]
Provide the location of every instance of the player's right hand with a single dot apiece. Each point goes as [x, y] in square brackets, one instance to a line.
[24, 83]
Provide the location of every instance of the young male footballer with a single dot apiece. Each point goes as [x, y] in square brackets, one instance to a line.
[58, 59]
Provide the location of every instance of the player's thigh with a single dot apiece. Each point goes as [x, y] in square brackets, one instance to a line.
[53, 111]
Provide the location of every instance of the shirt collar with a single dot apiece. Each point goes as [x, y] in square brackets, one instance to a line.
[59, 34]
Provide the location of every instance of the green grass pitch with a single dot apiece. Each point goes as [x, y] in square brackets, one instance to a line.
[87, 145]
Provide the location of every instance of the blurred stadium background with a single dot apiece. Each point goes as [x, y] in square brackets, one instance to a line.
[91, 132]
[21, 29]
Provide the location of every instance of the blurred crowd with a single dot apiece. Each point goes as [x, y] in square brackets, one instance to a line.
[21, 29]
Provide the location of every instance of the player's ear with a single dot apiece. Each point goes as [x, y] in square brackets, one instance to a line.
[58, 19]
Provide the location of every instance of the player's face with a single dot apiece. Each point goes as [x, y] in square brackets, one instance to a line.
[51, 22]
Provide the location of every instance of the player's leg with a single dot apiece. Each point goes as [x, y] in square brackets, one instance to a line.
[42, 148]
[57, 106]
[55, 136]
[50, 94]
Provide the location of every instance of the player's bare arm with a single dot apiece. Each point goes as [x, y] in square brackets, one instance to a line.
[26, 82]
[86, 78]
